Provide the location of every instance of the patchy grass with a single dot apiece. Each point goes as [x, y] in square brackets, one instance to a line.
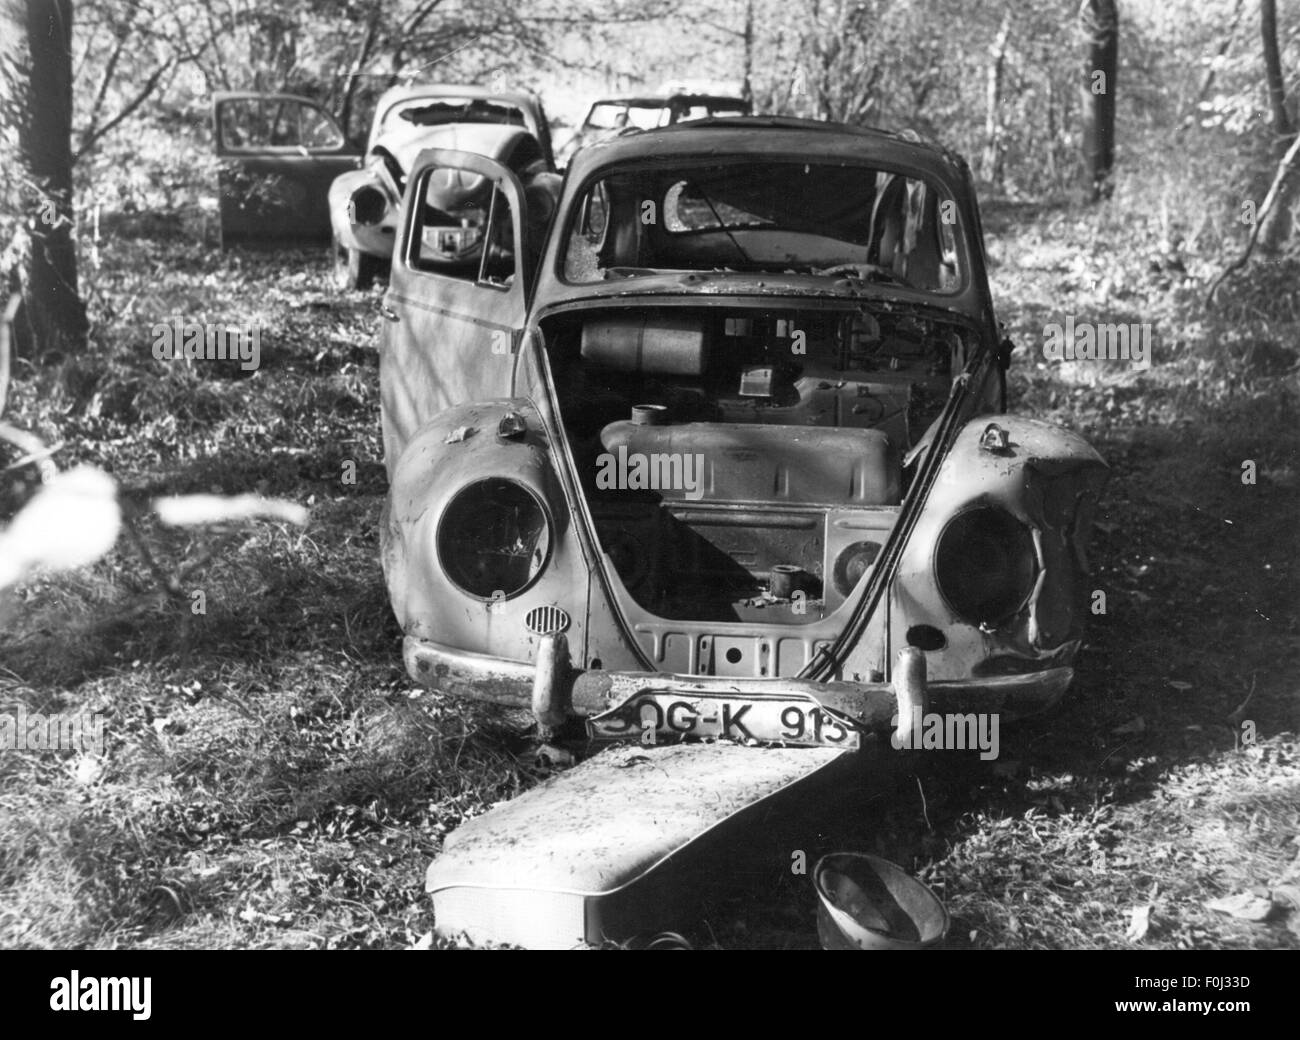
[273, 779]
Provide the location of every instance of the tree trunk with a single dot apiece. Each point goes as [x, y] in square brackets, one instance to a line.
[1099, 21]
[1288, 171]
[1276, 226]
[747, 37]
[55, 313]
[993, 130]
[1273, 73]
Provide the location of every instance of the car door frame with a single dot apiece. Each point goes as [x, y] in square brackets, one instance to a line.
[311, 169]
[441, 343]
[541, 129]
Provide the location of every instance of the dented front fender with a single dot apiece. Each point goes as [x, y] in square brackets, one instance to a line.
[463, 446]
[1046, 477]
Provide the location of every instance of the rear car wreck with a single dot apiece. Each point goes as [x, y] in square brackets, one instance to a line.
[509, 127]
[727, 456]
[610, 117]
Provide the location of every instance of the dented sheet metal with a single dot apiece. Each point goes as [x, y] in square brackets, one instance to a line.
[592, 853]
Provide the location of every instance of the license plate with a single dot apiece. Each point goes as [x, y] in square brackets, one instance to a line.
[663, 717]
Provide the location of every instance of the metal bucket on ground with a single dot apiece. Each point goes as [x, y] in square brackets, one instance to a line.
[867, 903]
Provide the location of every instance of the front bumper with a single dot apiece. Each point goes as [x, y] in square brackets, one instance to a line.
[554, 691]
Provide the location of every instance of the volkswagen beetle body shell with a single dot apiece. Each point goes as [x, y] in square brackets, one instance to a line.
[509, 126]
[483, 381]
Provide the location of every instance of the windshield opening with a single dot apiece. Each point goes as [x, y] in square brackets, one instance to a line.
[440, 112]
[831, 220]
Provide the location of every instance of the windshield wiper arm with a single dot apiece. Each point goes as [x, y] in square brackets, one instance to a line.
[744, 257]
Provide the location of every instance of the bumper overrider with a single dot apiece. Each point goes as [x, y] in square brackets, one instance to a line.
[614, 704]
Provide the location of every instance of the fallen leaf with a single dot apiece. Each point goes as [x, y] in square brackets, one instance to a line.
[460, 433]
[548, 756]
[1286, 898]
[555, 757]
[1175, 684]
[1134, 725]
[1139, 922]
[88, 770]
[1243, 905]
[1292, 873]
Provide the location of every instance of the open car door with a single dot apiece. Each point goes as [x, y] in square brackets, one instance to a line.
[457, 298]
[278, 155]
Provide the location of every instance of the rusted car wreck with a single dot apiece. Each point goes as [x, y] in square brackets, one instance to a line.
[725, 456]
[509, 126]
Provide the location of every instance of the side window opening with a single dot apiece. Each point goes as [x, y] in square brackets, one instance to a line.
[255, 123]
[237, 124]
[317, 131]
[464, 228]
[284, 126]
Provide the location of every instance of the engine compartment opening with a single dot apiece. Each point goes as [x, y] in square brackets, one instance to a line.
[745, 464]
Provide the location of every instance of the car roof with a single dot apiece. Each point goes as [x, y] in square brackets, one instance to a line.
[218, 96]
[518, 98]
[528, 103]
[658, 100]
[764, 134]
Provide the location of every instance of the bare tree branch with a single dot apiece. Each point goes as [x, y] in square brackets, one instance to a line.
[1289, 165]
[89, 139]
[1210, 74]
[354, 78]
[109, 68]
